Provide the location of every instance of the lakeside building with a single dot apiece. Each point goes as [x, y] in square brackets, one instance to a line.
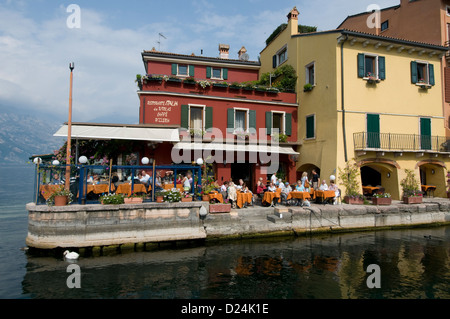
[373, 98]
[422, 21]
[195, 107]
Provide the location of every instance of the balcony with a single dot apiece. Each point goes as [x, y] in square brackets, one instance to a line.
[447, 54]
[399, 143]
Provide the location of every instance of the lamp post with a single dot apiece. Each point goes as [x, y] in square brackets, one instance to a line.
[69, 130]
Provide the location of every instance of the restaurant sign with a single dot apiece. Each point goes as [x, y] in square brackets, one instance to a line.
[161, 111]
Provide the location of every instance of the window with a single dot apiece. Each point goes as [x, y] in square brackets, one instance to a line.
[310, 126]
[310, 73]
[240, 120]
[216, 73]
[422, 73]
[182, 69]
[448, 10]
[371, 66]
[281, 122]
[280, 57]
[385, 25]
[196, 118]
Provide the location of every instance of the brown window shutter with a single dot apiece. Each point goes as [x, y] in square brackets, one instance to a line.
[447, 84]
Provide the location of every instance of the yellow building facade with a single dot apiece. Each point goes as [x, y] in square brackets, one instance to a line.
[373, 99]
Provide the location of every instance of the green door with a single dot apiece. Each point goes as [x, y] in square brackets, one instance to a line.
[425, 134]
[373, 130]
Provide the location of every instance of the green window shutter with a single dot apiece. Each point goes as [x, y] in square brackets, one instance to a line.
[414, 72]
[184, 116]
[268, 123]
[373, 130]
[208, 72]
[425, 133]
[230, 120]
[208, 118]
[431, 74]
[274, 61]
[191, 70]
[361, 65]
[310, 129]
[174, 68]
[381, 68]
[252, 121]
[225, 73]
[288, 123]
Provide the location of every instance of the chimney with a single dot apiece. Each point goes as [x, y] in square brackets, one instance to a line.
[241, 52]
[293, 20]
[224, 51]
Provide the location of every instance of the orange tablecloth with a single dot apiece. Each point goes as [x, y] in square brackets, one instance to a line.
[426, 188]
[126, 188]
[99, 188]
[170, 186]
[370, 189]
[47, 190]
[217, 196]
[324, 194]
[299, 195]
[269, 196]
[243, 198]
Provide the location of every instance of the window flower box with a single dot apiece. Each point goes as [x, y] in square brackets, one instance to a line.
[189, 81]
[381, 201]
[220, 85]
[273, 90]
[133, 200]
[423, 85]
[219, 208]
[371, 79]
[308, 87]
[174, 80]
[354, 200]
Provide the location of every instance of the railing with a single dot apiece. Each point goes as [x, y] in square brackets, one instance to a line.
[45, 178]
[400, 142]
[447, 44]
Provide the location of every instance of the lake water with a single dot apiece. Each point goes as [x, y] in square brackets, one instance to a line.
[413, 263]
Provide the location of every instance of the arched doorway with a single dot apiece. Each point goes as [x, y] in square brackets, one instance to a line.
[308, 169]
[379, 176]
[433, 178]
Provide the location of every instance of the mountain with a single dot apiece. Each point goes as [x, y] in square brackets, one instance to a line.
[23, 134]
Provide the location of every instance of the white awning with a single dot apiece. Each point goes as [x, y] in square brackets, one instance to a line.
[236, 148]
[120, 133]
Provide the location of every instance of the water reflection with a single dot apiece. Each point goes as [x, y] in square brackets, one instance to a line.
[412, 264]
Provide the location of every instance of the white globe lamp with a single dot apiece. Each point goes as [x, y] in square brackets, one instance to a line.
[55, 162]
[37, 160]
[145, 160]
[83, 159]
[199, 161]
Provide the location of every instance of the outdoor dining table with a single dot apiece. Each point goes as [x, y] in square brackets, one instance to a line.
[170, 186]
[428, 189]
[126, 189]
[299, 195]
[47, 190]
[98, 188]
[269, 196]
[243, 198]
[217, 196]
[324, 194]
[370, 189]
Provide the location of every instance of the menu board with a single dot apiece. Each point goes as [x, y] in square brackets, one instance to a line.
[161, 112]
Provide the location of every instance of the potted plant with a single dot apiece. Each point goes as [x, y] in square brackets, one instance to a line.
[133, 198]
[220, 84]
[189, 80]
[273, 90]
[139, 81]
[308, 87]
[172, 196]
[371, 78]
[382, 199]
[112, 199]
[220, 208]
[160, 196]
[196, 132]
[235, 86]
[186, 197]
[410, 186]
[349, 176]
[448, 185]
[60, 197]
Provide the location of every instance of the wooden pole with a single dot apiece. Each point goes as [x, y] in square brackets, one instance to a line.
[153, 180]
[69, 130]
[110, 169]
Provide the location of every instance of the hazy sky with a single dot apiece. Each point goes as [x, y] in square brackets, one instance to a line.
[37, 43]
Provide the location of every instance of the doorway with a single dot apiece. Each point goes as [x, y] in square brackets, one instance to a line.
[242, 171]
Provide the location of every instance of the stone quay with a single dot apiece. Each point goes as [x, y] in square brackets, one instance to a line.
[83, 226]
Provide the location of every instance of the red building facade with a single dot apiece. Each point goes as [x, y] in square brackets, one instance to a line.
[245, 131]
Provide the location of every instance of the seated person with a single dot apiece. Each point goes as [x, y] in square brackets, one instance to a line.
[56, 180]
[323, 186]
[260, 187]
[333, 187]
[239, 187]
[272, 188]
[300, 187]
[285, 191]
[224, 190]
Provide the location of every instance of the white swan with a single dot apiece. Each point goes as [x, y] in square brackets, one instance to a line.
[71, 255]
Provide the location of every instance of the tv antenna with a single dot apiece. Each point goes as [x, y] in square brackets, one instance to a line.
[159, 42]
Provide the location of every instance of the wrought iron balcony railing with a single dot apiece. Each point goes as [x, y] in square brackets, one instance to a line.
[394, 142]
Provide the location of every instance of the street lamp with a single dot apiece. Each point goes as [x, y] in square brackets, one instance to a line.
[145, 160]
[69, 130]
[82, 159]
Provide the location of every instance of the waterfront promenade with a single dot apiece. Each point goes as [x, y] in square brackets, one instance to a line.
[78, 226]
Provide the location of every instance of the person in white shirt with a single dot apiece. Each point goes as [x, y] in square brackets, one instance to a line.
[145, 178]
[333, 187]
[285, 191]
[272, 187]
[240, 186]
[224, 190]
[232, 196]
[323, 186]
[274, 179]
